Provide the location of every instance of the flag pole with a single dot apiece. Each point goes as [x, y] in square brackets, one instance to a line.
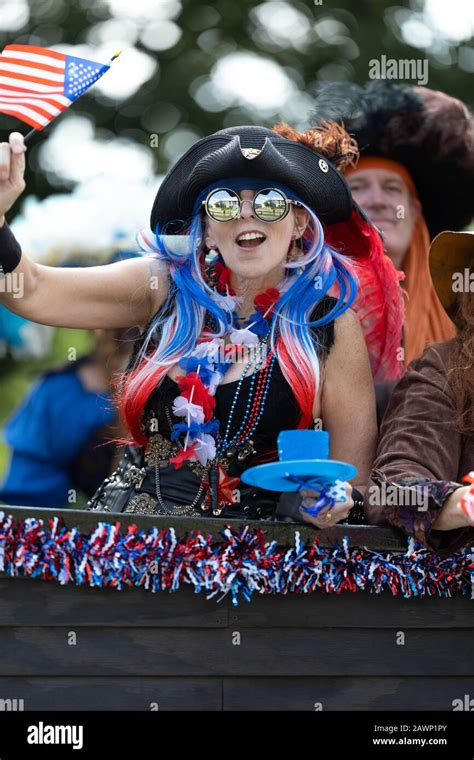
[32, 132]
[29, 135]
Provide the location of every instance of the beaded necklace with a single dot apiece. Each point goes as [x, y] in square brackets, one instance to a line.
[205, 372]
[259, 385]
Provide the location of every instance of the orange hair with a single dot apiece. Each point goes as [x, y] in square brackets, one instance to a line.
[426, 320]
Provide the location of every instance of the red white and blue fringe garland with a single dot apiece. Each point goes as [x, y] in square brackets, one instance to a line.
[243, 563]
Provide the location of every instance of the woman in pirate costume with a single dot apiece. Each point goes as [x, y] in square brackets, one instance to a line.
[239, 338]
[414, 178]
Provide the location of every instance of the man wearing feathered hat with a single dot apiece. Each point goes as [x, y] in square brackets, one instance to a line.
[414, 178]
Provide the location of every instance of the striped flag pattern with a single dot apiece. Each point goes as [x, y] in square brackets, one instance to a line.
[37, 84]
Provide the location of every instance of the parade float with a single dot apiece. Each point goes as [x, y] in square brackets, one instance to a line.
[104, 611]
[138, 612]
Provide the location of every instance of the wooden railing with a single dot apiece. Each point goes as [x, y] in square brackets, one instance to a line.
[74, 647]
[359, 535]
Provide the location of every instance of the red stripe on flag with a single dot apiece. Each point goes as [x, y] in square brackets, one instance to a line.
[29, 91]
[31, 64]
[12, 99]
[23, 117]
[37, 50]
[28, 78]
[37, 109]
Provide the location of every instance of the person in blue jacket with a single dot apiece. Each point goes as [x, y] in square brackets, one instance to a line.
[58, 435]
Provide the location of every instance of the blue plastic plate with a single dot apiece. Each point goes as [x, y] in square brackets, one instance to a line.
[271, 476]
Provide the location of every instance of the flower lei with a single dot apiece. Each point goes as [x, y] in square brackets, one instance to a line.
[204, 373]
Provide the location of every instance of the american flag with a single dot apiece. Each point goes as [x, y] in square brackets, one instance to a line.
[37, 84]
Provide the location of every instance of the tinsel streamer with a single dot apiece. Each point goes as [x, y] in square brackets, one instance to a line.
[241, 564]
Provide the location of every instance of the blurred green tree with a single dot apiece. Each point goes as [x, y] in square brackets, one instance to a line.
[304, 42]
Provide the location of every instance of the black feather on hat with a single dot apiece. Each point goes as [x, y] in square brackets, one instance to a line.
[430, 133]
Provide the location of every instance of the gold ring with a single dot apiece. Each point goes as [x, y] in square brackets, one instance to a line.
[328, 517]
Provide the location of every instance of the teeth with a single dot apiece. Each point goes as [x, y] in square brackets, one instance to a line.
[251, 236]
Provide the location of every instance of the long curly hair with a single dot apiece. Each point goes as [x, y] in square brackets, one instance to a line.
[461, 375]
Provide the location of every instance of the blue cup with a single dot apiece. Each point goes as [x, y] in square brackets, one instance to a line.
[303, 444]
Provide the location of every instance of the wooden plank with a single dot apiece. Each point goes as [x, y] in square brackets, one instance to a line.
[349, 610]
[387, 693]
[255, 694]
[200, 652]
[359, 535]
[131, 694]
[26, 601]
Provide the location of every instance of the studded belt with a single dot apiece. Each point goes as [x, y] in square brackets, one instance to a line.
[145, 474]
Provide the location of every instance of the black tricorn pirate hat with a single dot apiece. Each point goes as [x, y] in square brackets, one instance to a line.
[256, 152]
[430, 133]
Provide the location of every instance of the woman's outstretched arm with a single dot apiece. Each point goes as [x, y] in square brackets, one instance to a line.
[123, 294]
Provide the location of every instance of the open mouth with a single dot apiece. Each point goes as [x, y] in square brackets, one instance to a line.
[250, 239]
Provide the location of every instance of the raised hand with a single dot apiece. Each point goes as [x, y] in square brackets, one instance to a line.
[12, 170]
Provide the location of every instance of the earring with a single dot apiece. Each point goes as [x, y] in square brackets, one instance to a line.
[294, 250]
[213, 259]
[294, 253]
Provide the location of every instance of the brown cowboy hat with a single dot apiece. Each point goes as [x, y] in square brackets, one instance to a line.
[451, 253]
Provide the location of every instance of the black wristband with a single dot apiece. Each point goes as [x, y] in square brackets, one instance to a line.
[356, 515]
[357, 498]
[10, 250]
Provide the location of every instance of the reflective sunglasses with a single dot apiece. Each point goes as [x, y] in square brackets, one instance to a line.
[269, 205]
